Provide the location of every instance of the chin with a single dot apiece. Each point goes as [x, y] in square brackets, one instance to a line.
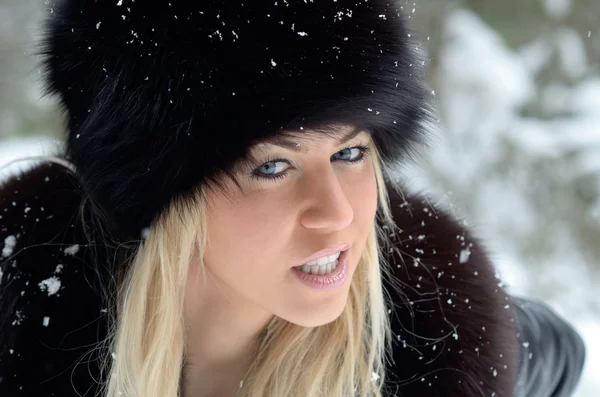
[315, 322]
[315, 318]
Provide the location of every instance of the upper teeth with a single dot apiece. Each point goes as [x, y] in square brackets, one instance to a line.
[323, 260]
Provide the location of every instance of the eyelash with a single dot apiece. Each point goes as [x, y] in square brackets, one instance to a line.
[364, 150]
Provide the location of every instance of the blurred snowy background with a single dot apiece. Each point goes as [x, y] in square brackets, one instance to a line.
[517, 150]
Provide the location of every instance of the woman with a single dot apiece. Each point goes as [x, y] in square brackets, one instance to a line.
[223, 221]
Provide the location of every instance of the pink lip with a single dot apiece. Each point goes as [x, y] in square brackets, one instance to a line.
[325, 252]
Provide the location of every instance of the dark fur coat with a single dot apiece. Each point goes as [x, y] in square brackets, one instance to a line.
[456, 330]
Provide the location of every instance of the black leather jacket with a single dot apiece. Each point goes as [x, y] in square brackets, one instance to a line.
[552, 353]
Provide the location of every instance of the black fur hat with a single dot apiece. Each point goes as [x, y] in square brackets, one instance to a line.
[161, 95]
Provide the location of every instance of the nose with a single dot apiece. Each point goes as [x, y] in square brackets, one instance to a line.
[327, 206]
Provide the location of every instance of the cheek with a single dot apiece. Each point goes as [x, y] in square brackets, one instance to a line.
[241, 234]
[363, 198]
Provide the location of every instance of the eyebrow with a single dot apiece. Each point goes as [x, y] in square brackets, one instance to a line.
[290, 143]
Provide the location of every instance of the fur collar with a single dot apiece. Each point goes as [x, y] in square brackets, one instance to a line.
[453, 325]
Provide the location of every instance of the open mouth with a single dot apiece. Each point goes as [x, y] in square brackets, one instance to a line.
[322, 266]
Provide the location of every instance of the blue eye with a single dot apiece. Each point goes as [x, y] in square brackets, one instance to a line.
[347, 151]
[273, 170]
[272, 167]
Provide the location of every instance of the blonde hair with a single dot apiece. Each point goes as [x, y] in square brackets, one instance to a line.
[343, 358]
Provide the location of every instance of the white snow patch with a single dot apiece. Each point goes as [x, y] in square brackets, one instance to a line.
[536, 55]
[558, 8]
[72, 250]
[572, 52]
[12, 149]
[374, 377]
[9, 245]
[51, 285]
[589, 328]
[145, 233]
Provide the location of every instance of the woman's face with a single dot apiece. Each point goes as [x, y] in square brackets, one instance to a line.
[292, 203]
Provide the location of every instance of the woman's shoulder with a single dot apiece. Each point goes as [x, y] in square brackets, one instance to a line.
[454, 329]
[49, 312]
[457, 331]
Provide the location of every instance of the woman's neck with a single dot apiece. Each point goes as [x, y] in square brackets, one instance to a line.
[214, 381]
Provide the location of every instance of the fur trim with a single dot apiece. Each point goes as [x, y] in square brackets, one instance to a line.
[162, 95]
[453, 326]
[50, 309]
